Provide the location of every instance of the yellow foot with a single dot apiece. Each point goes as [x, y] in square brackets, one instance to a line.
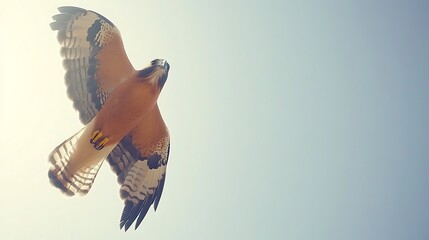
[97, 140]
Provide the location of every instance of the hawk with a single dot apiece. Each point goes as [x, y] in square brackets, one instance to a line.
[118, 106]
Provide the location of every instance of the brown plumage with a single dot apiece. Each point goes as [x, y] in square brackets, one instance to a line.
[119, 107]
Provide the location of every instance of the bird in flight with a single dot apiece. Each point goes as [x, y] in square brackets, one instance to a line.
[118, 106]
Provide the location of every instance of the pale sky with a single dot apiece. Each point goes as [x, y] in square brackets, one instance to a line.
[292, 120]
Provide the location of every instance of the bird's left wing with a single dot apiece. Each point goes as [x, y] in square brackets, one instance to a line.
[94, 57]
[140, 161]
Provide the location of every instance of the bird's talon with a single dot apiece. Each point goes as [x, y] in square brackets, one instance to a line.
[97, 140]
[96, 135]
[103, 142]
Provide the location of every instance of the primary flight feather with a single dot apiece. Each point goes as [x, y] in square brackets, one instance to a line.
[118, 106]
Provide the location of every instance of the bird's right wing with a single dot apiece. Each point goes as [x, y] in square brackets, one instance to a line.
[94, 57]
[140, 161]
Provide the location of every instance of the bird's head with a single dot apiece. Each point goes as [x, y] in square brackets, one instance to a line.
[157, 71]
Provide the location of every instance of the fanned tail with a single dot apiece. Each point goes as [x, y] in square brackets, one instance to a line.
[62, 176]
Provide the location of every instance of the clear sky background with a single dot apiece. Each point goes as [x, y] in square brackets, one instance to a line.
[292, 120]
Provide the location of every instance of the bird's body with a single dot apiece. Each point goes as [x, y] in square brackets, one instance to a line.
[119, 107]
[126, 106]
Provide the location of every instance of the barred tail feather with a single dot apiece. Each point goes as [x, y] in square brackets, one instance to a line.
[75, 164]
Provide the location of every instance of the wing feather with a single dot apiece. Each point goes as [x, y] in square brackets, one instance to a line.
[94, 57]
[140, 162]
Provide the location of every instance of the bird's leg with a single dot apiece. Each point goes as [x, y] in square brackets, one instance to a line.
[97, 140]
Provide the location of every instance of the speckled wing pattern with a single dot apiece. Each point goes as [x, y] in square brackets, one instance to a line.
[141, 170]
[93, 55]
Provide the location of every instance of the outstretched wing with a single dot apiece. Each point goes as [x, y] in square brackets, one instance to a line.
[140, 161]
[94, 58]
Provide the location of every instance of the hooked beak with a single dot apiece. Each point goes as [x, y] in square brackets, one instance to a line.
[162, 63]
